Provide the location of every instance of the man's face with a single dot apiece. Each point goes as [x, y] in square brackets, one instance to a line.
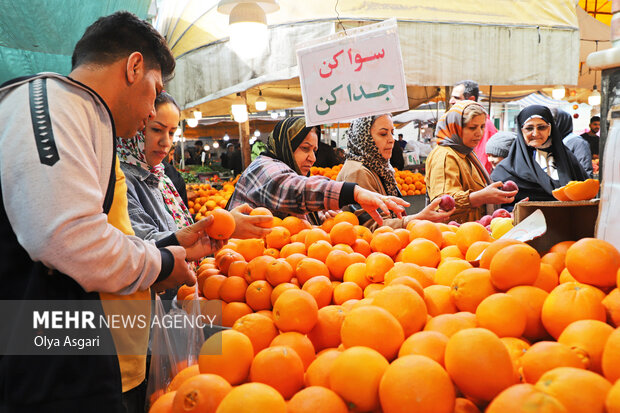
[595, 126]
[457, 94]
[139, 104]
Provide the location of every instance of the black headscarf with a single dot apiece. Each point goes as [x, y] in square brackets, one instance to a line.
[563, 123]
[284, 140]
[521, 167]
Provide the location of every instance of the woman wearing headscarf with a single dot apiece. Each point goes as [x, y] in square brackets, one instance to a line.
[453, 168]
[370, 141]
[538, 162]
[278, 179]
[575, 143]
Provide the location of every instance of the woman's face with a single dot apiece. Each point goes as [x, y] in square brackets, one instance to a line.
[305, 153]
[159, 133]
[473, 131]
[536, 132]
[382, 132]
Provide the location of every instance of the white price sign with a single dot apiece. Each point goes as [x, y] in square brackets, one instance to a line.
[360, 74]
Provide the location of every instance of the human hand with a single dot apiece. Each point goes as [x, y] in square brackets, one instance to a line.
[432, 212]
[247, 226]
[492, 194]
[181, 272]
[324, 215]
[371, 201]
[195, 240]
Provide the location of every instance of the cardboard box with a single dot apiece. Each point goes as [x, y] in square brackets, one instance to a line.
[566, 221]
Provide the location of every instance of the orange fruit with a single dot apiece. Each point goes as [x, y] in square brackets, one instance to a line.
[449, 239]
[293, 224]
[185, 291]
[565, 277]
[355, 376]
[523, 398]
[295, 310]
[228, 354]
[183, 375]
[493, 248]
[403, 234]
[547, 278]
[562, 247]
[298, 342]
[320, 287]
[279, 367]
[263, 211]
[593, 261]
[258, 295]
[408, 269]
[260, 329]
[278, 237]
[225, 258]
[372, 289]
[502, 314]
[362, 247]
[309, 267]
[612, 306]
[163, 404]
[319, 250]
[611, 357]
[470, 287]
[470, 232]
[337, 262]
[515, 265]
[409, 282]
[587, 338]
[363, 233]
[438, 300]
[356, 273]
[449, 269]
[346, 216]
[347, 291]
[293, 248]
[532, 300]
[612, 403]
[328, 224]
[272, 252]
[231, 312]
[200, 394]
[343, 247]
[343, 233]
[252, 398]
[388, 243]
[422, 252]
[223, 224]
[545, 356]
[278, 271]
[316, 234]
[516, 348]
[233, 289]
[211, 286]
[280, 288]
[317, 373]
[405, 305]
[475, 250]
[575, 388]
[450, 324]
[257, 268]
[570, 302]
[431, 344]
[250, 248]
[555, 259]
[416, 384]
[316, 399]
[427, 230]
[463, 405]
[386, 336]
[326, 331]
[237, 268]
[479, 363]
[451, 251]
[377, 264]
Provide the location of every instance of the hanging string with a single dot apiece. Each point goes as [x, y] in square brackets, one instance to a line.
[338, 17]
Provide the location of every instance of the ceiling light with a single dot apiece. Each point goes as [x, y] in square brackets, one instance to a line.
[257, 133]
[558, 92]
[595, 97]
[274, 115]
[207, 147]
[216, 145]
[226, 138]
[192, 122]
[198, 114]
[239, 109]
[261, 103]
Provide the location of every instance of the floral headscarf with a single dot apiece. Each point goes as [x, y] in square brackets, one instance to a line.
[131, 151]
[361, 147]
[449, 132]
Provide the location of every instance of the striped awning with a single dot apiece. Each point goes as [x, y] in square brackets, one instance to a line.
[539, 99]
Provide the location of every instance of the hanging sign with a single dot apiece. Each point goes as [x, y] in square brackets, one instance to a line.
[346, 76]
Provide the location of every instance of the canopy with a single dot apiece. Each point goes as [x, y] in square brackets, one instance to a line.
[503, 42]
[39, 36]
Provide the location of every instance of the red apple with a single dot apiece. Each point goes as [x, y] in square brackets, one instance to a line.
[510, 186]
[447, 203]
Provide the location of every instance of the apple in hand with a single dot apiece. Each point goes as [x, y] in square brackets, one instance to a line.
[456, 224]
[510, 186]
[501, 213]
[447, 203]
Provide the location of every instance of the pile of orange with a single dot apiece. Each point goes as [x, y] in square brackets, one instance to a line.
[338, 318]
[330, 173]
[206, 198]
[410, 183]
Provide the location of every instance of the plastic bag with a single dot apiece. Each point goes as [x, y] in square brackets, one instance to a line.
[173, 347]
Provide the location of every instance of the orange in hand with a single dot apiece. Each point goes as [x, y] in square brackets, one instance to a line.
[223, 224]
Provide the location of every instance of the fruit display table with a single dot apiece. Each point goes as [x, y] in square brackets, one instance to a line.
[418, 202]
[566, 221]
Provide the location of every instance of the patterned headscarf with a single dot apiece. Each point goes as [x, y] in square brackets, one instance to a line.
[361, 147]
[284, 140]
[449, 132]
[131, 151]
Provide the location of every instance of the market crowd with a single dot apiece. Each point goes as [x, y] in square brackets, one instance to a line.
[111, 218]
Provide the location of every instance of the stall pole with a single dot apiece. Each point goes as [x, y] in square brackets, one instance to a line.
[244, 138]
